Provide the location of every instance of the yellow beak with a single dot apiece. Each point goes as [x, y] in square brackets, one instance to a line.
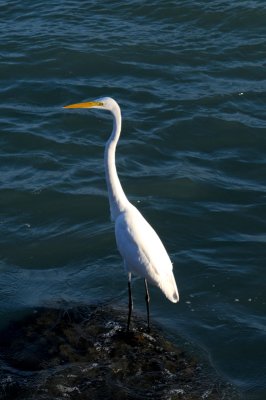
[87, 104]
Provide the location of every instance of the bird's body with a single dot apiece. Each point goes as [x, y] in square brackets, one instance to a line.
[143, 252]
[138, 243]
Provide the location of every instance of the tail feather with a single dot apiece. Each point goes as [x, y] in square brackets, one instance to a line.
[169, 288]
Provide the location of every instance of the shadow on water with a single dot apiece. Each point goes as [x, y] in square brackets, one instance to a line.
[84, 352]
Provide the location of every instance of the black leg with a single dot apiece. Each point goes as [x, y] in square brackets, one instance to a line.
[147, 298]
[130, 302]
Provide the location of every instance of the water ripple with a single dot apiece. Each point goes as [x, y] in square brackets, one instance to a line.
[190, 78]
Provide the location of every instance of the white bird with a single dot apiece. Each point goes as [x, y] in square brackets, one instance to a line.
[139, 245]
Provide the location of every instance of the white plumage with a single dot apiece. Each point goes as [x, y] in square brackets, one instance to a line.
[143, 251]
[138, 243]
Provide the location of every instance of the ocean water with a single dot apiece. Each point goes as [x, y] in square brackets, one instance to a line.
[190, 79]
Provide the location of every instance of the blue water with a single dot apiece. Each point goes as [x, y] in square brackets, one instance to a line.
[190, 79]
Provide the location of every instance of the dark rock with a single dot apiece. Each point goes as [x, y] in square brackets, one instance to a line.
[85, 353]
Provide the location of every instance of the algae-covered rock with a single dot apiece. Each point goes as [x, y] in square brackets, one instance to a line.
[85, 353]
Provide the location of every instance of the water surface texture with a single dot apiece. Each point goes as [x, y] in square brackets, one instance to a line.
[190, 79]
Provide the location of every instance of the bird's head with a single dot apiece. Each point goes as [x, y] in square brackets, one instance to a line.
[103, 103]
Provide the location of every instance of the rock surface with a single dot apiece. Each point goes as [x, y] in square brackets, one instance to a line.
[84, 352]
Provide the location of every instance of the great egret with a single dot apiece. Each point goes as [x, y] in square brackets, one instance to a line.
[139, 245]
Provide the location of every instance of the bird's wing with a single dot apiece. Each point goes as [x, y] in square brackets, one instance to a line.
[143, 251]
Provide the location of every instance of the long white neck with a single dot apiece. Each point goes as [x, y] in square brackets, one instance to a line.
[117, 198]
